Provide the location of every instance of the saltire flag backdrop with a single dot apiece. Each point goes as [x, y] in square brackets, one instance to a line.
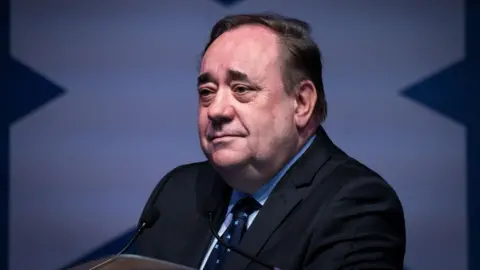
[102, 103]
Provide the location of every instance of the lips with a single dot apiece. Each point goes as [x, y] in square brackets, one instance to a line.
[216, 137]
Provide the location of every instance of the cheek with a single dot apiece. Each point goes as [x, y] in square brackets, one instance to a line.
[268, 122]
[281, 122]
[202, 120]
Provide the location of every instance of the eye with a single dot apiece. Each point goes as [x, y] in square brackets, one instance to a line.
[241, 89]
[204, 92]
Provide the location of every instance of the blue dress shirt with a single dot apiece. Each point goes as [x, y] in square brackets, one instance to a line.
[261, 196]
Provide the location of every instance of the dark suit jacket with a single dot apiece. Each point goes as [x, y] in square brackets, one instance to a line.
[328, 212]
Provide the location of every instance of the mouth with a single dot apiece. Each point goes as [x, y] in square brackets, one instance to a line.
[222, 138]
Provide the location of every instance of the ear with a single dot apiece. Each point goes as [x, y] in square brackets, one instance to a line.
[305, 100]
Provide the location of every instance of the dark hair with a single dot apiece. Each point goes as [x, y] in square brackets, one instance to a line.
[302, 57]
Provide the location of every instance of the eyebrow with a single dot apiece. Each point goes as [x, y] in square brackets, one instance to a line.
[235, 75]
[232, 75]
[206, 78]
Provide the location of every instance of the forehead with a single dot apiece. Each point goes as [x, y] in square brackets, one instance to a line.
[250, 49]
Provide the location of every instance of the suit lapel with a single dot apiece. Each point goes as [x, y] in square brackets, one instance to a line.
[196, 243]
[275, 210]
[211, 194]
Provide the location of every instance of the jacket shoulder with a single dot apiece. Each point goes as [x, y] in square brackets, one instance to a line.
[180, 177]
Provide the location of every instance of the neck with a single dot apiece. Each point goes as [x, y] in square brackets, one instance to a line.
[244, 179]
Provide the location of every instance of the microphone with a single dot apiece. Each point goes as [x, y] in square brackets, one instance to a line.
[210, 206]
[146, 221]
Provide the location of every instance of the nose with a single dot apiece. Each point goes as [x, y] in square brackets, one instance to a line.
[221, 110]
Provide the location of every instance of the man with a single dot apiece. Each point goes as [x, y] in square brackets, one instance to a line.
[274, 185]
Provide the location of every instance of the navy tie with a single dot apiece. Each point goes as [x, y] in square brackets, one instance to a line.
[234, 233]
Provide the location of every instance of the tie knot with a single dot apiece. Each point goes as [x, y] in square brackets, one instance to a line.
[245, 206]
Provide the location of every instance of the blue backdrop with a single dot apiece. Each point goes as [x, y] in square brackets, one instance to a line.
[101, 104]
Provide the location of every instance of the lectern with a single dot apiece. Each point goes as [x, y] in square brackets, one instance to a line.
[132, 262]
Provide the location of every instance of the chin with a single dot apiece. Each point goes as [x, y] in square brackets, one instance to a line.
[226, 159]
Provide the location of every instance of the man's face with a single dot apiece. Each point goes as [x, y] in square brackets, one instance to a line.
[245, 116]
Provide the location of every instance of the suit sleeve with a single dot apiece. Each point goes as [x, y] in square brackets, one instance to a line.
[362, 228]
